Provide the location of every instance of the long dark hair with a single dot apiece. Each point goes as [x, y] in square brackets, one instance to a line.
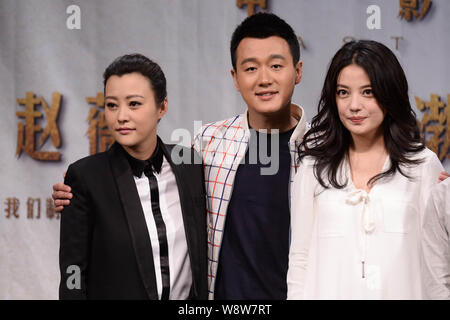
[328, 141]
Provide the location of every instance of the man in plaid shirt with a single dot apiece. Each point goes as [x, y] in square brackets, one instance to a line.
[247, 188]
[248, 211]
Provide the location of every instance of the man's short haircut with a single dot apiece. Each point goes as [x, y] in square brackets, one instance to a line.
[261, 26]
[136, 62]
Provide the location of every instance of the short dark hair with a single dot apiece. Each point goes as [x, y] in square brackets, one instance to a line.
[136, 62]
[261, 26]
[328, 140]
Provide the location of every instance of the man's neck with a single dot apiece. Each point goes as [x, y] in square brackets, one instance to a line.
[282, 120]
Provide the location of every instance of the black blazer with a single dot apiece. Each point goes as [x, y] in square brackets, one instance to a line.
[103, 230]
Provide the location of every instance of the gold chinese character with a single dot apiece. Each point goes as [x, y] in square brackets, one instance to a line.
[26, 131]
[409, 8]
[436, 122]
[251, 5]
[12, 206]
[30, 208]
[50, 209]
[98, 128]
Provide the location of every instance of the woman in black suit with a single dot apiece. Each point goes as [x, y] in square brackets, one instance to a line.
[136, 225]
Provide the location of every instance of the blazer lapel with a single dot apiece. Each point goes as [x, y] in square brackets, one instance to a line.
[135, 216]
[183, 187]
[186, 203]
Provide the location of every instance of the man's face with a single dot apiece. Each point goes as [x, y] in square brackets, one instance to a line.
[265, 74]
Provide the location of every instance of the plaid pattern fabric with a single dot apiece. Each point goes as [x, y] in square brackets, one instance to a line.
[222, 145]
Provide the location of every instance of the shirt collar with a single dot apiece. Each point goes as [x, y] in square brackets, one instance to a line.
[297, 112]
[155, 161]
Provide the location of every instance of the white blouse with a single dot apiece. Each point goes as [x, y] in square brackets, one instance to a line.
[436, 244]
[350, 244]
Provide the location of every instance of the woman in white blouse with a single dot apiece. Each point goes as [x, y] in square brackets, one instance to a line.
[360, 193]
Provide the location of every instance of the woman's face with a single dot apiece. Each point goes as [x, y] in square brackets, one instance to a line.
[131, 111]
[358, 109]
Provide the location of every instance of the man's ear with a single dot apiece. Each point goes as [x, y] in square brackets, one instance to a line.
[298, 72]
[236, 83]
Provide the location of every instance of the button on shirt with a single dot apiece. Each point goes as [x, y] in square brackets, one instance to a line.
[169, 201]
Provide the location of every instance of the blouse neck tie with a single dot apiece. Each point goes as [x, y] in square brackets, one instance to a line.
[367, 220]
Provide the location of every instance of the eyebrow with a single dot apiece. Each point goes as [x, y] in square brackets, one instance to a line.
[346, 87]
[271, 57]
[127, 97]
[134, 96]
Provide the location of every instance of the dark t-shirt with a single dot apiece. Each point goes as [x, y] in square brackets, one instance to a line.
[253, 261]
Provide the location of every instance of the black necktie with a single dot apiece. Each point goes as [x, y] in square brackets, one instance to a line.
[162, 236]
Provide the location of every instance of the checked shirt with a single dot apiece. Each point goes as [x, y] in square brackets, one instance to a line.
[223, 145]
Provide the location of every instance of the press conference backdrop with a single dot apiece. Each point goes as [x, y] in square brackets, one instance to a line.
[53, 54]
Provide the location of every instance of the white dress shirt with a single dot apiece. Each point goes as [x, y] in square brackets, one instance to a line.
[350, 244]
[169, 201]
[436, 243]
